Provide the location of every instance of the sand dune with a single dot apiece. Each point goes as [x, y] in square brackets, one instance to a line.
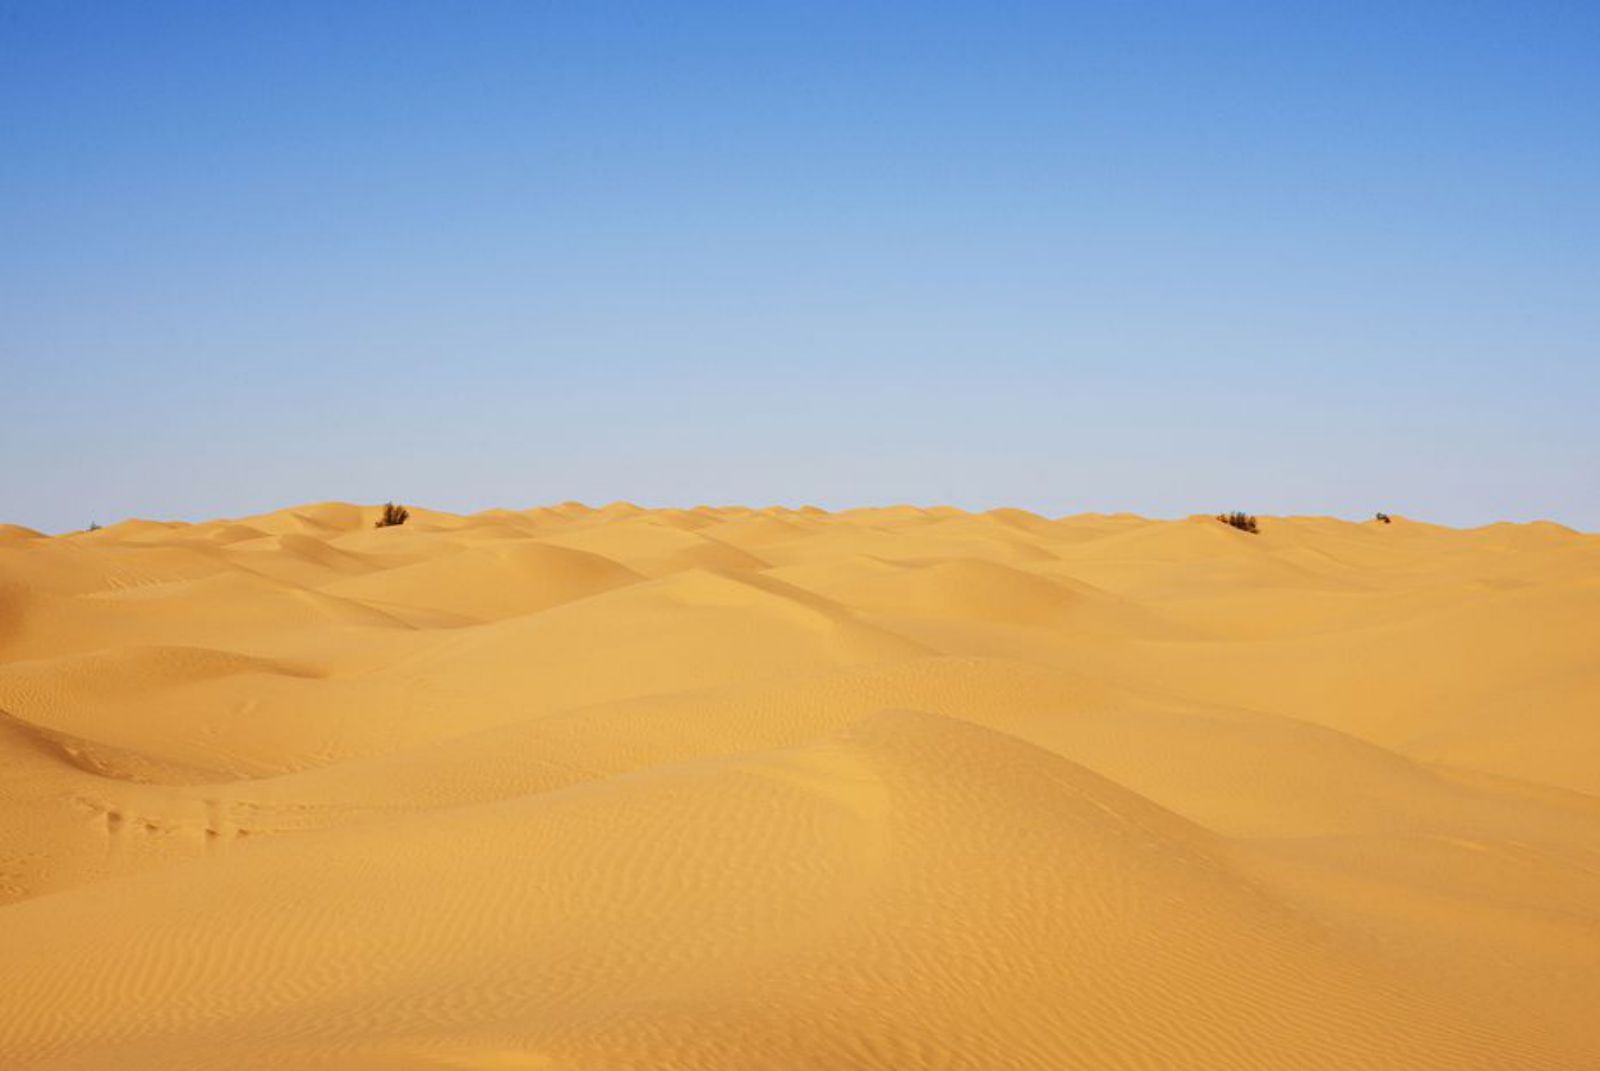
[893, 788]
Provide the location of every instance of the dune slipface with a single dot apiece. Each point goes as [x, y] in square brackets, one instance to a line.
[733, 788]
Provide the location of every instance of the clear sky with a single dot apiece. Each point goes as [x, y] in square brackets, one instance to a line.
[1161, 257]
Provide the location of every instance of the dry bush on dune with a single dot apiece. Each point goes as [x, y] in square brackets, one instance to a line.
[1240, 520]
[392, 515]
[1383, 518]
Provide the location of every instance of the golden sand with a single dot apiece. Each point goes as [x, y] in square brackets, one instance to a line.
[728, 788]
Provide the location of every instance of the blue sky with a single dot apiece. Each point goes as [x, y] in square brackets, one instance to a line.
[1161, 257]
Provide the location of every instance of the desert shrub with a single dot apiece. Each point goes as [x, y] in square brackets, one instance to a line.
[392, 515]
[94, 526]
[1240, 520]
[1383, 518]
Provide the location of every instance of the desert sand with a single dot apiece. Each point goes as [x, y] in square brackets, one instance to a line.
[735, 788]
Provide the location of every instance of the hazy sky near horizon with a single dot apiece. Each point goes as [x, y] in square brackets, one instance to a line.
[1160, 257]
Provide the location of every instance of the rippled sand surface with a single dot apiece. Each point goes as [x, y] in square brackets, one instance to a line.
[731, 788]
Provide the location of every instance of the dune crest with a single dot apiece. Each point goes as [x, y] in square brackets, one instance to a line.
[723, 788]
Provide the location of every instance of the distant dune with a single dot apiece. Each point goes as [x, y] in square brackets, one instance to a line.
[892, 788]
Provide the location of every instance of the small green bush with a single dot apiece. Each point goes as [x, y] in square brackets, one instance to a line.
[392, 515]
[1240, 520]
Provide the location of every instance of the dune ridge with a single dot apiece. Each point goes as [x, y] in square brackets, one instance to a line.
[900, 787]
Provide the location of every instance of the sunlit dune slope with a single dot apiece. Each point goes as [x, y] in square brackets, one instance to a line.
[894, 788]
